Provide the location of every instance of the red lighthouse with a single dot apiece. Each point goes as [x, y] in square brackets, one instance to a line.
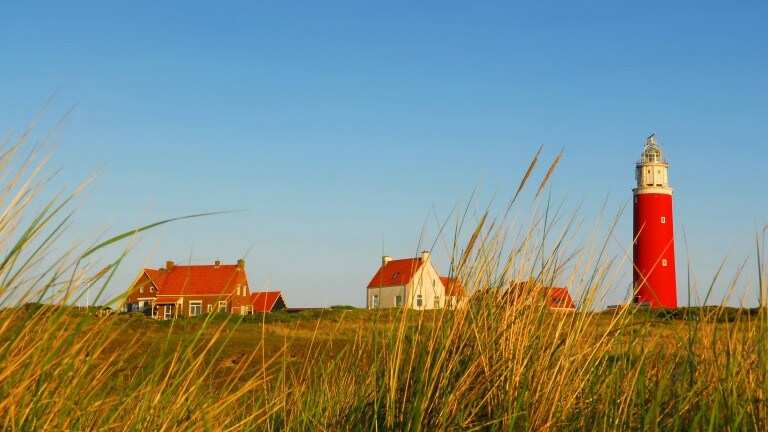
[654, 240]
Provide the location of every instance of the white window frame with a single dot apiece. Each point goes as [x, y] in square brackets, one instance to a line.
[437, 301]
[243, 310]
[663, 219]
[664, 262]
[167, 311]
[222, 306]
[375, 302]
[399, 300]
[210, 307]
[419, 300]
[195, 303]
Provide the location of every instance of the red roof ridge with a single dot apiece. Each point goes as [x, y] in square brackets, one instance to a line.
[197, 279]
[177, 265]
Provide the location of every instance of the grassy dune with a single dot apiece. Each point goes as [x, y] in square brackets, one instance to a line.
[527, 369]
[493, 365]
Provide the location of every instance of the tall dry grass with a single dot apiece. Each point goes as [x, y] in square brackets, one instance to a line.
[494, 364]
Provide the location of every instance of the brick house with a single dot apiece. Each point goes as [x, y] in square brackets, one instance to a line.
[190, 290]
[535, 293]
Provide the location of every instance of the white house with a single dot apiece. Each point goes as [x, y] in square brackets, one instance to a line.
[412, 283]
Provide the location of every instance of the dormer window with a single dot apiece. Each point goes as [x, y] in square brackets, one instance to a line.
[395, 275]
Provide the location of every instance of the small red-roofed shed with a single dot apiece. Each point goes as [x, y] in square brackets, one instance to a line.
[454, 291]
[267, 301]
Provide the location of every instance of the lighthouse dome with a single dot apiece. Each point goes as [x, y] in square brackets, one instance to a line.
[651, 171]
[652, 152]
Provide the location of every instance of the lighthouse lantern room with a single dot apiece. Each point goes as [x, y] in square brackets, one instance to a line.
[654, 278]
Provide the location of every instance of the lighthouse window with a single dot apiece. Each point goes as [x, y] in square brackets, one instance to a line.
[664, 262]
[663, 219]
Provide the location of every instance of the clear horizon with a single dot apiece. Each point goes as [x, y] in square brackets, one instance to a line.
[345, 131]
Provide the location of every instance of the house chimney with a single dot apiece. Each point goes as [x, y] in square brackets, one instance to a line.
[425, 256]
[240, 264]
[169, 265]
[385, 259]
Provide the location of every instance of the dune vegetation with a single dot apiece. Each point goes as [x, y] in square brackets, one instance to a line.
[491, 365]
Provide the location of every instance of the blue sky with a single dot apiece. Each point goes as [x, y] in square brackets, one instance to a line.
[340, 128]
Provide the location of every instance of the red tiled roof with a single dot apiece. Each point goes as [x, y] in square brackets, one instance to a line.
[186, 280]
[156, 276]
[395, 272]
[264, 301]
[453, 287]
[560, 298]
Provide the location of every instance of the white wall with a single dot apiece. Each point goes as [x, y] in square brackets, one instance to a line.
[652, 177]
[426, 282]
[387, 296]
